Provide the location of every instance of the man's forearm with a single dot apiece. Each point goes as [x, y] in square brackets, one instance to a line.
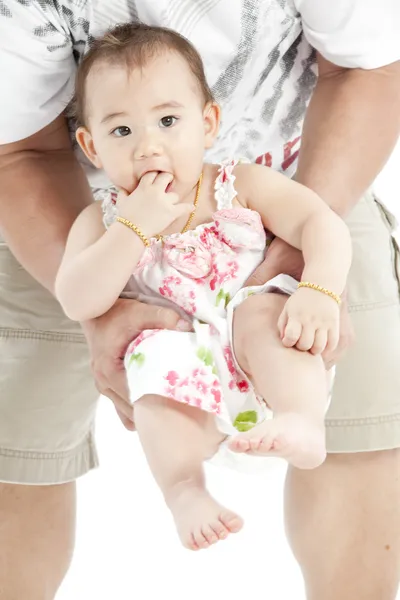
[41, 193]
[351, 128]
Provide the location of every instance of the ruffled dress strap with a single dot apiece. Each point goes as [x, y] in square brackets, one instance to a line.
[108, 199]
[224, 187]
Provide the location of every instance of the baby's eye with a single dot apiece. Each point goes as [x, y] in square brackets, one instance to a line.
[121, 131]
[168, 121]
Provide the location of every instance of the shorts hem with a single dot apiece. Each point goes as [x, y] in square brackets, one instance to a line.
[47, 468]
[363, 435]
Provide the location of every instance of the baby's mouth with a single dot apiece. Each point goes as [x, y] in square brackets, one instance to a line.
[168, 187]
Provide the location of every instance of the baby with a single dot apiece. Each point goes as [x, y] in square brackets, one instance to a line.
[187, 234]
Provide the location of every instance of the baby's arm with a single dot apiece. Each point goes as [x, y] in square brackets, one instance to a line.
[301, 218]
[96, 266]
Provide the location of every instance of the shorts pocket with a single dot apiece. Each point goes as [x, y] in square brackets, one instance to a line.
[392, 225]
[374, 279]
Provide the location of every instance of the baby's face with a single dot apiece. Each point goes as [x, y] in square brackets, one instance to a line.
[150, 119]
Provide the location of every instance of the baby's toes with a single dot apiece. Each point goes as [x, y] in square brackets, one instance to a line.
[239, 444]
[281, 443]
[209, 534]
[199, 539]
[231, 521]
[189, 542]
[255, 444]
[219, 529]
[267, 444]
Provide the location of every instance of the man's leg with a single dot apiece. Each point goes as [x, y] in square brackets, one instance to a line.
[37, 527]
[343, 524]
[47, 404]
[343, 519]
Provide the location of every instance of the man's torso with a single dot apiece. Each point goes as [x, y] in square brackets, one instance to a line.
[258, 64]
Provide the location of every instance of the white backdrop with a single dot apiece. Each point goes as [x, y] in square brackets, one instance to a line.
[126, 544]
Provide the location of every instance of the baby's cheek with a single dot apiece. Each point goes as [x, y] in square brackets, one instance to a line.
[120, 173]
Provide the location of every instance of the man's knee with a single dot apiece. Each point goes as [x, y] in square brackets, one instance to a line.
[37, 527]
[343, 516]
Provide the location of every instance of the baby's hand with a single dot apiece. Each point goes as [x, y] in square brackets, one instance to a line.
[310, 321]
[150, 206]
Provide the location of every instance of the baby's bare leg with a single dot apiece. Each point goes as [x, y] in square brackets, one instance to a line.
[293, 383]
[176, 439]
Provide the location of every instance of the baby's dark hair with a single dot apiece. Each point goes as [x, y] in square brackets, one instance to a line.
[133, 45]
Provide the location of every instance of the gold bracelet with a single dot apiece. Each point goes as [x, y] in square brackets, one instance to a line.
[319, 288]
[134, 228]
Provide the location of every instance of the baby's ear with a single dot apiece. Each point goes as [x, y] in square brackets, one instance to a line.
[211, 123]
[85, 140]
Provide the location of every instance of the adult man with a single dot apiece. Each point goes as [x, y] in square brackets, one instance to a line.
[261, 67]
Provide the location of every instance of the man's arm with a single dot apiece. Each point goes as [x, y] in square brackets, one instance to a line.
[42, 190]
[351, 127]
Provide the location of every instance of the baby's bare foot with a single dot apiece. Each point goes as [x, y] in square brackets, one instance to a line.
[200, 520]
[292, 436]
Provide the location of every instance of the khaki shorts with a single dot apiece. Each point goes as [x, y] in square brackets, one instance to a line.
[48, 400]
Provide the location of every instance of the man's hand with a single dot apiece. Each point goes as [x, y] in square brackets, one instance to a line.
[108, 338]
[283, 258]
[280, 258]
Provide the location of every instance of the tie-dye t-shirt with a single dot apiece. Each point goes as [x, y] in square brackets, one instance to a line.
[259, 57]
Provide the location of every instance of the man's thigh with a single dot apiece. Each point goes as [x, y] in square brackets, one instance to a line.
[47, 397]
[365, 409]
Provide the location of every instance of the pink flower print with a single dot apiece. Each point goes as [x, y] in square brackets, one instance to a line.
[243, 385]
[172, 377]
[148, 333]
[174, 288]
[210, 239]
[196, 402]
[188, 255]
[223, 273]
[241, 216]
[229, 360]
[148, 257]
[237, 382]
[240, 228]
[217, 394]
[200, 389]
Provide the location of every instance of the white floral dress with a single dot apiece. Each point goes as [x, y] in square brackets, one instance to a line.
[201, 273]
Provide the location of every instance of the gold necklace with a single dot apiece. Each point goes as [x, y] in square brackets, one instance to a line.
[195, 203]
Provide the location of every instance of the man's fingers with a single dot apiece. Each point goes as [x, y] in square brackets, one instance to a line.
[263, 273]
[127, 423]
[114, 378]
[123, 408]
[149, 316]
